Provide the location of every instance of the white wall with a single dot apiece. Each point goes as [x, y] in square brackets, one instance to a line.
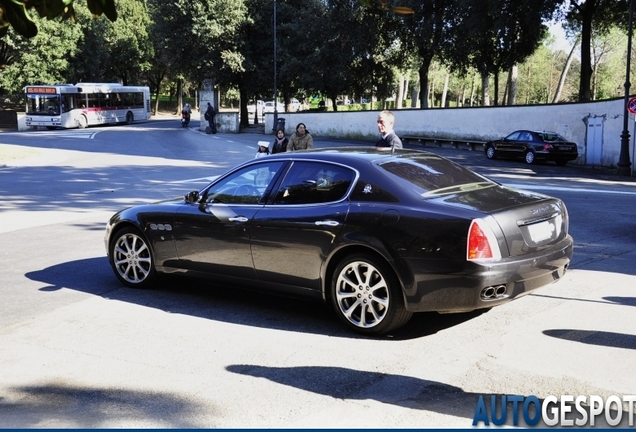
[479, 124]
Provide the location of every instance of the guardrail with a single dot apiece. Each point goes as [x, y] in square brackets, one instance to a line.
[445, 142]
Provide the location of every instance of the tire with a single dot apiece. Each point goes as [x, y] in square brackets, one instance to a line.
[490, 152]
[51, 127]
[529, 158]
[82, 122]
[561, 162]
[130, 118]
[367, 296]
[131, 258]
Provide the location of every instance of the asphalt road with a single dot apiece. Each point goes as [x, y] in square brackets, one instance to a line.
[79, 350]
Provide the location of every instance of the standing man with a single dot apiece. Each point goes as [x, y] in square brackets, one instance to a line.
[209, 116]
[389, 139]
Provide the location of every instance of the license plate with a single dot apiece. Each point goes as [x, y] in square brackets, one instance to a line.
[541, 231]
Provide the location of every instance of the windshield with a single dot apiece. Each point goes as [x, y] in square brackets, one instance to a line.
[43, 104]
[432, 175]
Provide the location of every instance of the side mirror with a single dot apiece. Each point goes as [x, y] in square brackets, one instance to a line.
[192, 197]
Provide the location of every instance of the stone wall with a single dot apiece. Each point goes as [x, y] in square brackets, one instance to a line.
[572, 120]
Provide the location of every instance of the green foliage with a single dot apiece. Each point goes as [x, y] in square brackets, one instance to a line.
[41, 59]
[14, 13]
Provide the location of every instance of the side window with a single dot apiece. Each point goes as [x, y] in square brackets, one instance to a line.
[314, 183]
[513, 136]
[246, 186]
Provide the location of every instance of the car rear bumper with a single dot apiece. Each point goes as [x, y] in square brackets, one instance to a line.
[479, 286]
[556, 156]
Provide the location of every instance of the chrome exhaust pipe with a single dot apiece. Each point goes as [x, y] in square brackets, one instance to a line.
[493, 293]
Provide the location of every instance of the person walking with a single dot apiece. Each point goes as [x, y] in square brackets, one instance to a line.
[389, 140]
[301, 139]
[280, 142]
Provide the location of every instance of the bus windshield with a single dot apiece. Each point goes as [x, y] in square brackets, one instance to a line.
[43, 104]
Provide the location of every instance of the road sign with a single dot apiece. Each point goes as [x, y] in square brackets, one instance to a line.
[631, 105]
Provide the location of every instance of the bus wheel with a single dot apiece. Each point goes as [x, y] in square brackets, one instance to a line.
[129, 118]
[82, 122]
[51, 127]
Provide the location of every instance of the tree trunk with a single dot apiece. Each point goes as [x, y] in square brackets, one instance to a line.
[512, 87]
[587, 10]
[179, 95]
[445, 91]
[485, 89]
[426, 64]
[243, 107]
[564, 72]
[400, 95]
[496, 85]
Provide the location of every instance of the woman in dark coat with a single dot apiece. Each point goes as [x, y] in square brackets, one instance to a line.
[280, 142]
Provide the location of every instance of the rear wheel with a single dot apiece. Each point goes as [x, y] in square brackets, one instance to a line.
[132, 259]
[367, 296]
[490, 152]
[82, 122]
[529, 157]
[130, 118]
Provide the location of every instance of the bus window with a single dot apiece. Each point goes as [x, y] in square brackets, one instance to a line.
[93, 100]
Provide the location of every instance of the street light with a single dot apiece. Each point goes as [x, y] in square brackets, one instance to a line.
[275, 90]
[624, 163]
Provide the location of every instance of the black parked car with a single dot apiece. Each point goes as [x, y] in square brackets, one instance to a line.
[533, 146]
[379, 235]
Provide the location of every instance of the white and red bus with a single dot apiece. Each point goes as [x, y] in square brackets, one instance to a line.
[85, 104]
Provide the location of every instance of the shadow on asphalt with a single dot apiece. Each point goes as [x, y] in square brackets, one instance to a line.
[52, 404]
[244, 305]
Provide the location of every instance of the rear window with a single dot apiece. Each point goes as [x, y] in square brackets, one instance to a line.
[432, 175]
[550, 136]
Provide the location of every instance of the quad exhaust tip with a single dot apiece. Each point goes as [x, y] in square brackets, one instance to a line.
[493, 292]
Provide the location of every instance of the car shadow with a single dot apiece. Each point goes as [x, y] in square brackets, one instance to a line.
[244, 305]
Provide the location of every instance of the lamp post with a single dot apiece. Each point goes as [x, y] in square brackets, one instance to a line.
[275, 90]
[624, 163]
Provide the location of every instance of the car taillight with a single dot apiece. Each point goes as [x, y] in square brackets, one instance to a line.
[547, 147]
[482, 243]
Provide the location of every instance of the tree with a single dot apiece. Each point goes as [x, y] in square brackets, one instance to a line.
[502, 33]
[114, 51]
[429, 31]
[599, 15]
[42, 59]
[13, 13]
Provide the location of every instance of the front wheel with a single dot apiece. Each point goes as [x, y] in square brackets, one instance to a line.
[82, 122]
[490, 152]
[130, 118]
[132, 259]
[367, 296]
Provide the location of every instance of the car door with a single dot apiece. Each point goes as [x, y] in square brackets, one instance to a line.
[212, 235]
[294, 233]
[507, 147]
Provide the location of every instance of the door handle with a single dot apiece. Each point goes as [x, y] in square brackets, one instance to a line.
[238, 219]
[327, 223]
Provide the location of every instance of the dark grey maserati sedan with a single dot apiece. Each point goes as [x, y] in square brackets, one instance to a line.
[379, 235]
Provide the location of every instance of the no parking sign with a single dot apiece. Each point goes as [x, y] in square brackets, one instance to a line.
[631, 105]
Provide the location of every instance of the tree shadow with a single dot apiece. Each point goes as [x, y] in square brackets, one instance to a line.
[53, 404]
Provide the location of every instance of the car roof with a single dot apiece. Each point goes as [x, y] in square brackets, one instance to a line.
[352, 155]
